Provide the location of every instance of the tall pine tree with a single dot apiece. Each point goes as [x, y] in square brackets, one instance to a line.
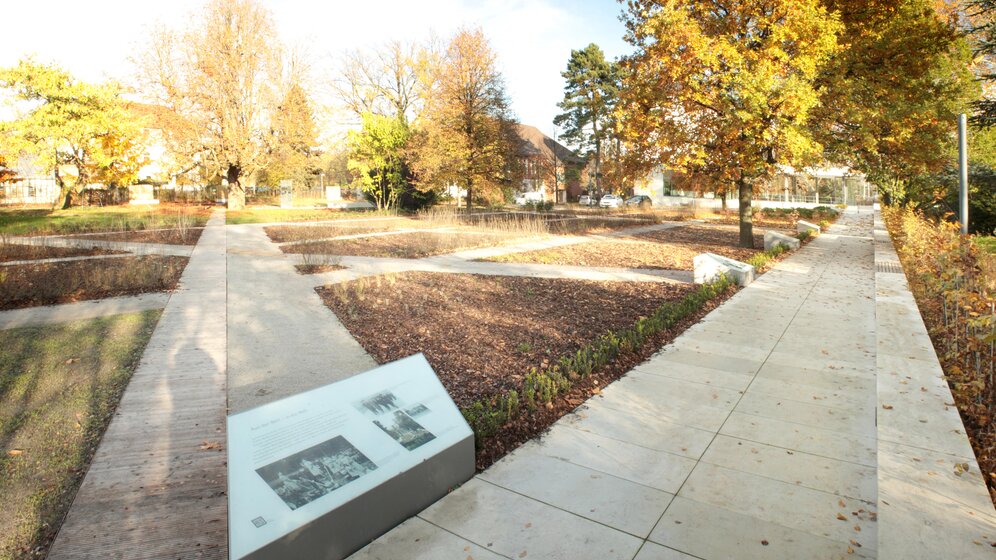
[589, 99]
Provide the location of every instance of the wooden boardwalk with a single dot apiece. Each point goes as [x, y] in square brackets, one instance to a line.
[157, 485]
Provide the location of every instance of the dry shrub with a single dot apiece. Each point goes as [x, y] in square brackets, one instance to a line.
[955, 285]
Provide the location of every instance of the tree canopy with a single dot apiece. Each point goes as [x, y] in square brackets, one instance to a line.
[220, 77]
[467, 136]
[294, 139]
[725, 88]
[82, 131]
[376, 157]
[590, 94]
[890, 96]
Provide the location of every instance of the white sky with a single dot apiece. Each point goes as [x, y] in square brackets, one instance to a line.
[93, 39]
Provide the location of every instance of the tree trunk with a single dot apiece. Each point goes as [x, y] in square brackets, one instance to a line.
[598, 157]
[470, 195]
[746, 214]
[723, 195]
[236, 196]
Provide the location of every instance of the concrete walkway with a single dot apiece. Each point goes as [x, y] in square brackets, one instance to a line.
[126, 246]
[753, 435]
[156, 486]
[30, 316]
[282, 339]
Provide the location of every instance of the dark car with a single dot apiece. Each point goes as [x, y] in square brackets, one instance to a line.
[640, 200]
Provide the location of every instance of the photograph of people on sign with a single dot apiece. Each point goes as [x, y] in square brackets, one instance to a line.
[310, 474]
[393, 416]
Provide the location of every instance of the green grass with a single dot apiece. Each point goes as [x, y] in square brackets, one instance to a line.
[59, 387]
[97, 219]
[987, 244]
[272, 215]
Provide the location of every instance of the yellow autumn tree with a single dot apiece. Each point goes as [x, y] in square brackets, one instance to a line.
[466, 135]
[724, 89]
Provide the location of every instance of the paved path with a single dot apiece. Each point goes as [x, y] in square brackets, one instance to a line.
[127, 246]
[753, 435]
[156, 486]
[282, 339]
[30, 316]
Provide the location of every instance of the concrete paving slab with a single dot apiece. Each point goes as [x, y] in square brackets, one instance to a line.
[826, 417]
[714, 533]
[417, 539]
[789, 504]
[644, 430]
[515, 526]
[846, 479]
[798, 437]
[654, 551]
[695, 374]
[642, 465]
[594, 495]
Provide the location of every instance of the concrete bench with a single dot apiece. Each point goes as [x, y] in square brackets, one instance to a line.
[803, 226]
[772, 239]
[709, 267]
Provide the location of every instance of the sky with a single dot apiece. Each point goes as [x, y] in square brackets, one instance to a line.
[94, 39]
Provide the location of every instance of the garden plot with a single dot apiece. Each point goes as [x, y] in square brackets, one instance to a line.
[46, 283]
[486, 336]
[10, 252]
[184, 235]
[669, 249]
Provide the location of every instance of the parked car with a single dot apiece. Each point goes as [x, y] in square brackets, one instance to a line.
[588, 200]
[523, 198]
[611, 201]
[640, 200]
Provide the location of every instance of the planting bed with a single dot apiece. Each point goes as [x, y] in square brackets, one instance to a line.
[670, 249]
[285, 234]
[483, 334]
[30, 285]
[413, 245]
[13, 252]
[175, 236]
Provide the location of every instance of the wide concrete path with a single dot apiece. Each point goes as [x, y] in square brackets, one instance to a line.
[156, 486]
[282, 339]
[80, 310]
[753, 435]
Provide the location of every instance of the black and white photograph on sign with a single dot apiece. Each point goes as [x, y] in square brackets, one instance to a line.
[417, 410]
[380, 403]
[310, 474]
[404, 430]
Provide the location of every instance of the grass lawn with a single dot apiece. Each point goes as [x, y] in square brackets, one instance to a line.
[484, 334]
[27, 285]
[987, 244]
[59, 387]
[671, 249]
[100, 219]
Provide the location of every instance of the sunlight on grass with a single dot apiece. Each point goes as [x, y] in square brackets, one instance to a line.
[99, 219]
[59, 387]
